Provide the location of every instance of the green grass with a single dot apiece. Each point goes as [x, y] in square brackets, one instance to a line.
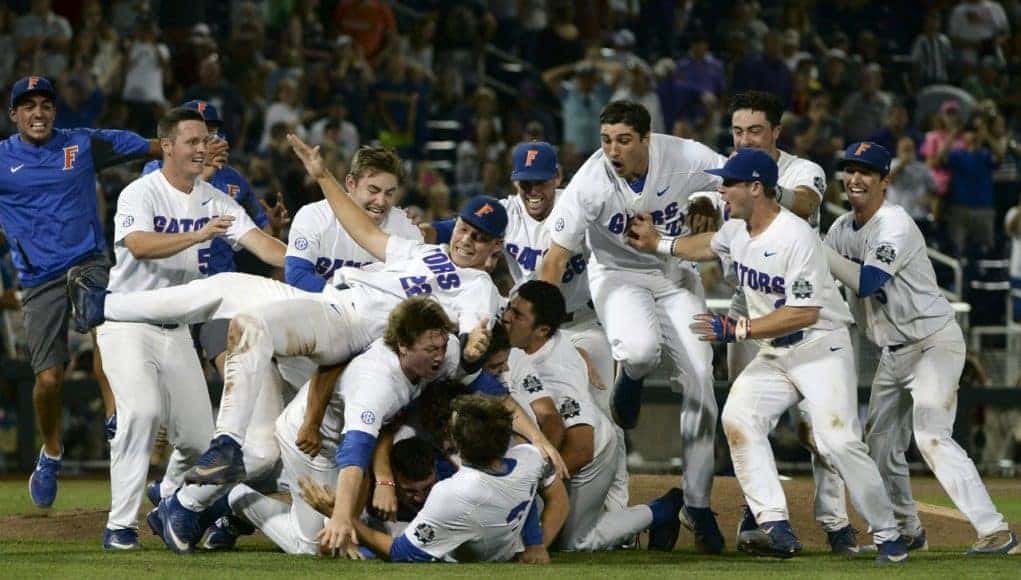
[73, 494]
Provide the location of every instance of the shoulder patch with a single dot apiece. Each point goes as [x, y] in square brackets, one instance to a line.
[560, 224]
[569, 408]
[886, 253]
[802, 288]
[301, 243]
[368, 417]
[531, 384]
[820, 184]
[127, 221]
[425, 533]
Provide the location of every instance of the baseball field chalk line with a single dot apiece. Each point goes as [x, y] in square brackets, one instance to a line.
[938, 510]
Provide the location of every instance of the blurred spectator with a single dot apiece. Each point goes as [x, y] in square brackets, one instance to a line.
[472, 154]
[222, 94]
[527, 112]
[836, 77]
[947, 125]
[932, 55]
[912, 185]
[559, 43]
[418, 45]
[582, 98]
[817, 134]
[700, 69]
[805, 84]
[147, 60]
[634, 83]
[743, 25]
[970, 217]
[985, 81]
[864, 111]
[285, 110]
[792, 53]
[400, 107]
[79, 104]
[977, 27]
[765, 71]
[533, 18]
[351, 76]
[370, 23]
[335, 127]
[8, 46]
[42, 33]
[897, 126]
[1007, 176]
[1012, 227]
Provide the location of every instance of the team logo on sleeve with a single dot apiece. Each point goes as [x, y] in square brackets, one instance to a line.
[127, 221]
[532, 384]
[569, 408]
[425, 533]
[886, 253]
[368, 417]
[301, 243]
[559, 226]
[802, 288]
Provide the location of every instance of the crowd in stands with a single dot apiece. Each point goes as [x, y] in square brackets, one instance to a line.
[935, 81]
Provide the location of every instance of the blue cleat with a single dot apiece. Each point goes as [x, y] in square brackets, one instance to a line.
[110, 426]
[180, 525]
[224, 534]
[627, 400]
[999, 543]
[843, 541]
[122, 539]
[774, 539]
[152, 492]
[666, 527]
[746, 524]
[42, 485]
[88, 300]
[702, 523]
[221, 464]
[155, 524]
[893, 552]
[917, 542]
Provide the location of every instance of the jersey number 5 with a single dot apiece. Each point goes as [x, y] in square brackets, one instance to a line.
[204, 255]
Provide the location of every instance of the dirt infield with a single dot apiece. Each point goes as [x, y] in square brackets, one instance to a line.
[946, 527]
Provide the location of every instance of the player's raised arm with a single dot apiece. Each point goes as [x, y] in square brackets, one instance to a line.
[357, 223]
[554, 264]
[643, 237]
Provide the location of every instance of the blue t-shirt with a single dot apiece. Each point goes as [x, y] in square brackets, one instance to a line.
[228, 180]
[971, 182]
[48, 197]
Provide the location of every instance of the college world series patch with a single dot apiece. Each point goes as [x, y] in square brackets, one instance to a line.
[532, 384]
[569, 408]
[425, 533]
[886, 253]
[802, 289]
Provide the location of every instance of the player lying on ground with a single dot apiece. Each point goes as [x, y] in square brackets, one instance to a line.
[800, 321]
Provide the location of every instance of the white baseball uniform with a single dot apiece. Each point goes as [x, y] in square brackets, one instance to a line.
[371, 391]
[477, 515]
[328, 327]
[156, 376]
[526, 241]
[644, 301]
[785, 266]
[559, 372]
[917, 379]
[317, 236]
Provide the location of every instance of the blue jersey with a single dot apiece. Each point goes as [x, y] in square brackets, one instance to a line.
[48, 197]
[229, 181]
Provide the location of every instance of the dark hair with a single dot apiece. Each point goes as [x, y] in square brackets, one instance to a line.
[167, 126]
[413, 459]
[499, 341]
[369, 161]
[768, 103]
[482, 428]
[547, 302]
[434, 408]
[414, 317]
[633, 114]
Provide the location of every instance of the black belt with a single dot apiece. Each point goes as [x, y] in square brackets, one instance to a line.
[896, 347]
[165, 326]
[788, 340]
[342, 286]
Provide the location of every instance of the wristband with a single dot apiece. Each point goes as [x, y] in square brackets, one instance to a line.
[665, 247]
[743, 329]
[386, 483]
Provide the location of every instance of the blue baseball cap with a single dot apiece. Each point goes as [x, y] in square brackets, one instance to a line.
[869, 154]
[31, 85]
[208, 110]
[535, 161]
[749, 165]
[487, 214]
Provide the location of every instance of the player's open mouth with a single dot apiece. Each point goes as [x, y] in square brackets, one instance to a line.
[464, 252]
[376, 211]
[855, 190]
[618, 166]
[534, 202]
[38, 126]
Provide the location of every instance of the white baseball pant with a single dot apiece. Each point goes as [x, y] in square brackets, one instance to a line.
[820, 369]
[917, 385]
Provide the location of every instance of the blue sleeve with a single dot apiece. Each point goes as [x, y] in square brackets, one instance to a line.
[301, 273]
[444, 230]
[356, 449]
[402, 550]
[531, 534]
[113, 147]
[151, 166]
[871, 280]
[488, 384]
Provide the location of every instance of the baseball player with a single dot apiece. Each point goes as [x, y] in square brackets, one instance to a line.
[878, 251]
[800, 321]
[645, 302]
[48, 211]
[318, 245]
[485, 512]
[165, 223]
[755, 122]
[590, 445]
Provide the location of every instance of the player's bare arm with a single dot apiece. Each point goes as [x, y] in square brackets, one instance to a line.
[378, 542]
[578, 447]
[320, 497]
[550, 422]
[355, 221]
[478, 342]
[644, 237]
[320, 388]
[554, 264]
[384, 491]
[265, 247]
[806, 202]
[153, 245]
[780, 322]
[525, 427]
[339, 534]
[554, 510]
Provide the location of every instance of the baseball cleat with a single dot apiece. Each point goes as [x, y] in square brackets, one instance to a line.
[221, 464]
[843, 541]
[666, 526]
[702, 523]
[110, 426]
[88, 300]
[1000, 543]
[180, 525]
[746, 524]
[155, 524]
[152, 492]
[627, 400]
[42, 485]
[223, 534]
[122, 539]
[774, 539]
[893, 552]
[916, 542]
